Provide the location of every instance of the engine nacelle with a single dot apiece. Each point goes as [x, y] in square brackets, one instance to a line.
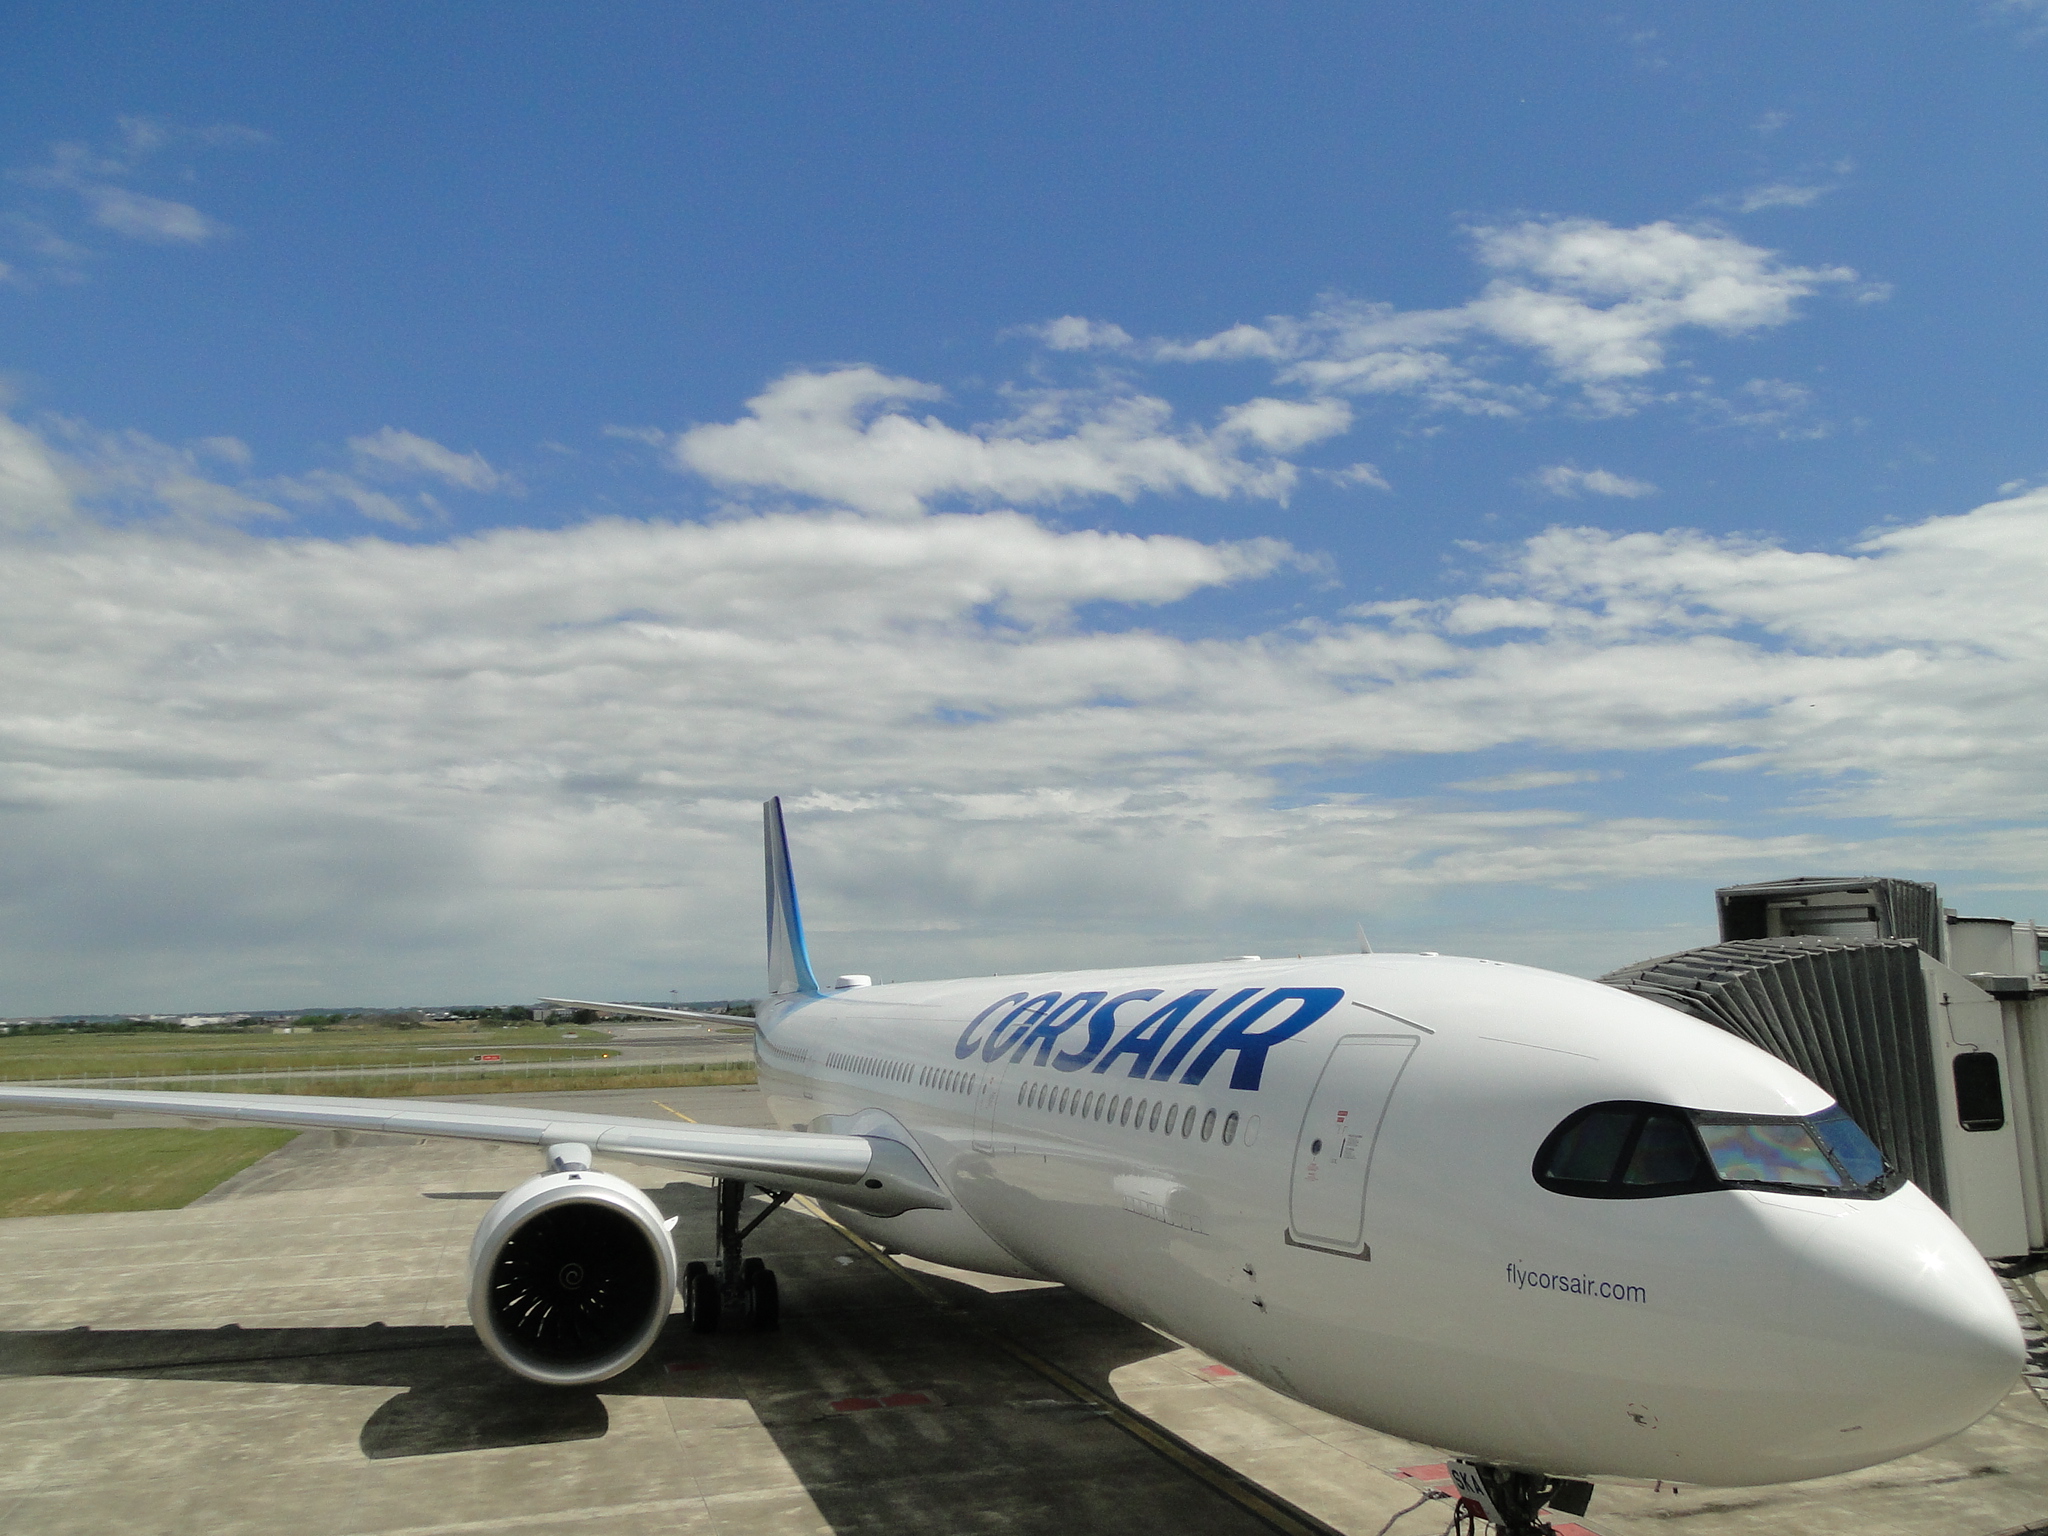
[570, 1277]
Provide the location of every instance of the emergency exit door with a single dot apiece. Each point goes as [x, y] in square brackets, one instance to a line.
[1333, 1158]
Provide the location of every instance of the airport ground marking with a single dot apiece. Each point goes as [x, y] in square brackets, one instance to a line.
[1261, 1503]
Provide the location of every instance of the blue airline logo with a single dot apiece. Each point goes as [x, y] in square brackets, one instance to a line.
[1074, 1034]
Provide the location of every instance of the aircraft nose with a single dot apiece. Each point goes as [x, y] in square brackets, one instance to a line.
[1913, 1339]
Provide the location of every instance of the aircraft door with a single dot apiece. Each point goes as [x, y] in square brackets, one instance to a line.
[1333, 1157]
[987, 1101]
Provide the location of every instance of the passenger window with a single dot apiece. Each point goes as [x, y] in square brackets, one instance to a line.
[1187, 1122]
[1153, 1123]
[1230, 1128]
[1208, 1124]
[1980, 1102]
[1172, 1114]
[1123, 1116]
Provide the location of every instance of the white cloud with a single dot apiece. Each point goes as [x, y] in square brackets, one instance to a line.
[1535, 778]
[1071, 333]
[1569, 481]
[1357, 474]
[1780, 194]
[150, 218]
[1596, 307]
[1271, 341]
[389, 449]
[32, 489]
[132, 476]
[1600, 301]
[1285, 425]
[320, 487]
[242, 770]
[845, 438]
[96, 175]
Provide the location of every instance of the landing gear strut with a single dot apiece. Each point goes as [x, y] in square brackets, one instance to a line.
[744, 1288]
[1511, 1501]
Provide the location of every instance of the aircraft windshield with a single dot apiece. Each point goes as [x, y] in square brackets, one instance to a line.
[1632, 1151]
[1775, 1152]
[1854, 1151]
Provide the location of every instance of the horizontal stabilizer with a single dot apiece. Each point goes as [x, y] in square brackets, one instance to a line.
[642, 1011]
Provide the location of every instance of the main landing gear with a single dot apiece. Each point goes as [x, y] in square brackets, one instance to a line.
[739, 1288]
[1511, 1501]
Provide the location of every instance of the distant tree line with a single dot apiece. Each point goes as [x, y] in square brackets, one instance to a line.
[486, 1017]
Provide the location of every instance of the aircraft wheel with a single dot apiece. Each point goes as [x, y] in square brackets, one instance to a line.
[764, 1300]
[700, 1298]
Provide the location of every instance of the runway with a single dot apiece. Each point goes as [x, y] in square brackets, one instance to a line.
[291, 1354]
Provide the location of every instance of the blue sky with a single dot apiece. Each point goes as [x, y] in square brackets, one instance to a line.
[1144, 482]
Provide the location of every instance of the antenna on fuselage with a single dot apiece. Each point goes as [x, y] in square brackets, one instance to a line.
[1364, 944]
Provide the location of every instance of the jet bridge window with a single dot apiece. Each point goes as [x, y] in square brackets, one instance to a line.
[1980, 1102]
[1631, 1151]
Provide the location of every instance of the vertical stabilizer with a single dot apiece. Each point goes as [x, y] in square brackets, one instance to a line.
[789, 963]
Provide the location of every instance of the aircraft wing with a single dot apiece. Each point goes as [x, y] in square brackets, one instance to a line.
[636, 1010]
[870, 1173]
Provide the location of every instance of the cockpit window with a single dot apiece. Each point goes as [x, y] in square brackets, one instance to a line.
[1623, 1152]
[1665, 1154]
[1589, 1147]
[1632, 1151]
[1851, 1148]
[1782, 1152]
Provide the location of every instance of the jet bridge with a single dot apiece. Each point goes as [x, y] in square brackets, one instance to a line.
[1930, 1028]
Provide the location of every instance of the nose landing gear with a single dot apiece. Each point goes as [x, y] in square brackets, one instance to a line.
[1511, 1501]
[740, 1287]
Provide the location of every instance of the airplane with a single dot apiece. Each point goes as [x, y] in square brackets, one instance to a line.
[1563, 1232]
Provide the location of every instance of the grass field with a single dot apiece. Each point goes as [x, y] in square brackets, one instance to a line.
[460, 1084]
[70, 1173]
[28, 1057]
[66, 1173]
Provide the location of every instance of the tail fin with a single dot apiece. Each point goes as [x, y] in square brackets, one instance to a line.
[789, 962]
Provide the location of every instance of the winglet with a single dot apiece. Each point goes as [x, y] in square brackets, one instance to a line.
[789, 962]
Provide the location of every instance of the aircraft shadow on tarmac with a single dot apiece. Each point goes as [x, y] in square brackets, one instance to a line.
[865, 1374]
[455, 1397]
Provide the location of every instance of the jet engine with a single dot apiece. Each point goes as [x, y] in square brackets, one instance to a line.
[570, 1277]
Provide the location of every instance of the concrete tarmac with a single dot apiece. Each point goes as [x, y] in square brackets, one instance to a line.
[291, 1354]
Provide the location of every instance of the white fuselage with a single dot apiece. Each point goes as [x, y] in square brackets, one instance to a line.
[1371, 1238]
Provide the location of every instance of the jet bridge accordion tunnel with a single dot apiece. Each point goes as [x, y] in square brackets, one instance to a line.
[1931, 1029]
